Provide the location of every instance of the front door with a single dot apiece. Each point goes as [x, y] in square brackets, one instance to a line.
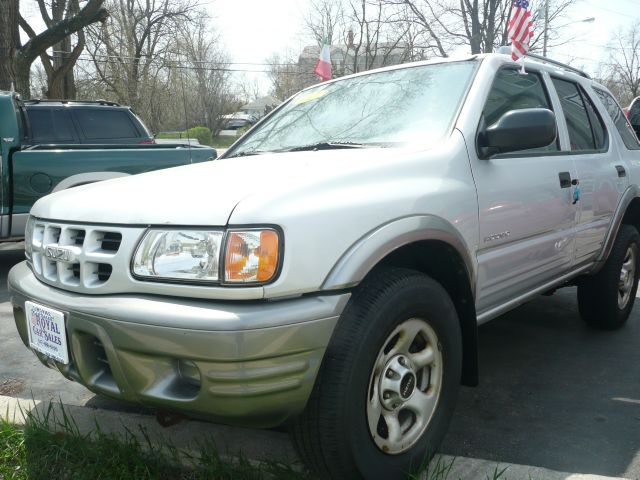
[526, 210]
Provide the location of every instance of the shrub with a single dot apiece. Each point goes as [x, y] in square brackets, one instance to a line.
[203, 134]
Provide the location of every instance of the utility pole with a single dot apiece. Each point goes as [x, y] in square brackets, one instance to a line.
[545, 34]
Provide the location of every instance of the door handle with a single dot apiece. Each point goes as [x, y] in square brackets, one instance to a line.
[621, 171]
[565, 179]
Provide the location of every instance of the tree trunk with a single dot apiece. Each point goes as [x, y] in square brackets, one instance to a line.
[9, 41]
[23, 76]
[16, 59]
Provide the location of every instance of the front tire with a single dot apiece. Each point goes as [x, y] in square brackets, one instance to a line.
[388, 384]
[605, 299]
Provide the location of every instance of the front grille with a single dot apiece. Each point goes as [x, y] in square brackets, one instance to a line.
[78, 257]
[111, 241]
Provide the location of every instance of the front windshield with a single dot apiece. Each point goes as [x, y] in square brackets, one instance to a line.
[381, 109]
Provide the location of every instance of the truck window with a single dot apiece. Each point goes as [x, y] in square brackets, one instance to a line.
[50, 126]
[100, 124]
[512, 90]
[619, 119]
[585, 132]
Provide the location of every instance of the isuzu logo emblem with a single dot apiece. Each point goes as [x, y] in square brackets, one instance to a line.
[59, 253]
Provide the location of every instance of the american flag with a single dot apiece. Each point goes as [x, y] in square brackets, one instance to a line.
[520, 28]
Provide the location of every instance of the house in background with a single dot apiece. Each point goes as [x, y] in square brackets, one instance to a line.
[260, 106]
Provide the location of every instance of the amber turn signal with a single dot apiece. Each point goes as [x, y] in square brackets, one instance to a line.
[251, 256]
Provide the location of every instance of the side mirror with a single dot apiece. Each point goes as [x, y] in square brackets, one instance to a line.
[518, 130]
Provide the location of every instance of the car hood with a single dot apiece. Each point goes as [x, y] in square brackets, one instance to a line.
[207, 193]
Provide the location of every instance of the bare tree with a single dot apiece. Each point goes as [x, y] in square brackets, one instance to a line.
[482, 25]
[16, 59]
[59, 64]
[621, 71]
[363, 33]
[324, 20]
[287, 75]
[206, 63]
[135, 44]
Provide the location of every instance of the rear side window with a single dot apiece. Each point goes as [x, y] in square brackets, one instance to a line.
[619, 120]
[101, 124]
[512, 90]
[50, 125]
[586, 131]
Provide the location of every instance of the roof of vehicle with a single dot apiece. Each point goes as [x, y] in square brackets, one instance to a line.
[503, 52]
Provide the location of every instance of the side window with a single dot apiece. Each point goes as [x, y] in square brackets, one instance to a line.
[50, 125]
[512, 90]
[101, 124]
[619, 119]
[586, 131]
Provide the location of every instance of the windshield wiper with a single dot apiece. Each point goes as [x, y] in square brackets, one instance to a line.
[325, 146]
[246, 153]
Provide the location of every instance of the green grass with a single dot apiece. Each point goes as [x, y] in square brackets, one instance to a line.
[37, 452]
[223, 142]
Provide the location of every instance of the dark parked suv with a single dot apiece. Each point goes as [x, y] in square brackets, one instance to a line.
[83, 122]
[633, 113]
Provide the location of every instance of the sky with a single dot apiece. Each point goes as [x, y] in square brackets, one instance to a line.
[593, 40]
[252, 30]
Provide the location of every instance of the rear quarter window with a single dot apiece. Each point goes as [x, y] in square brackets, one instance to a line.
[102, 124]
[619, 119]
[48, 125]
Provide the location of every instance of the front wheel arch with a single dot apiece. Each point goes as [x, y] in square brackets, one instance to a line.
[442, 262]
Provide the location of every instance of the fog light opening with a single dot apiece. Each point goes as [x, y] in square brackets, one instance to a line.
[188, 372]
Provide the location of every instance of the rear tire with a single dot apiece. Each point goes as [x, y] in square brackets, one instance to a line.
[605, 299]
[388, 383]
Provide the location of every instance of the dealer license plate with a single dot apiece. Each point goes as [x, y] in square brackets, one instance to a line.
[47, 333]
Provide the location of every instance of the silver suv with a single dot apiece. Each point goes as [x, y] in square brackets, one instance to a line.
[330, 271]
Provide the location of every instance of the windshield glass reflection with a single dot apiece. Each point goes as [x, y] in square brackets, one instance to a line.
[380, 109]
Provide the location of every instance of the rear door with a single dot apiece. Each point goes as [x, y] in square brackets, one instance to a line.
[526, 213]
[601, 171]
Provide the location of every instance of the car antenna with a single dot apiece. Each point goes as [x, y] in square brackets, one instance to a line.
[184, 104]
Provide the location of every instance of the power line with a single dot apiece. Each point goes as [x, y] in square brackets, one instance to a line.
[177, 65]
[626, 15]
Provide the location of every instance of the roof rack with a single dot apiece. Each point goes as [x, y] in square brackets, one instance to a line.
[506, 49]
[35, 101]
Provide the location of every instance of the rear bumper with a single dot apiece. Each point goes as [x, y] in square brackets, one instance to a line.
[256, 361]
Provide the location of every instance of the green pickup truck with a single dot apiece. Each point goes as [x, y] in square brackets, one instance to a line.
[31, 170]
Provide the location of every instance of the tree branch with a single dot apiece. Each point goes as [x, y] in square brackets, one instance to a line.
[92, 12]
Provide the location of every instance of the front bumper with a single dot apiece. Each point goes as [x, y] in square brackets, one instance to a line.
[257, 361]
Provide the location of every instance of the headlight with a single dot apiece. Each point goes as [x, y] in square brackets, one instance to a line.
[179, 255]
[248, 256]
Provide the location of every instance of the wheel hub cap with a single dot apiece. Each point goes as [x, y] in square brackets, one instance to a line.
[627, 278]
[398, 382]
[405, 386]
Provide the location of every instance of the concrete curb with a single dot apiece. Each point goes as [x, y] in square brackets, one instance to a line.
[253, 444]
